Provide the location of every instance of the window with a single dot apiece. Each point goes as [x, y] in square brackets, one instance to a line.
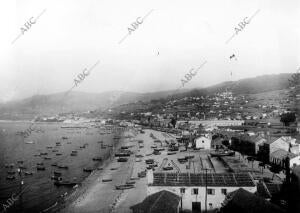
[182, 190]
[210, 191]
[224, 191]
[194, 191]
[210, 205]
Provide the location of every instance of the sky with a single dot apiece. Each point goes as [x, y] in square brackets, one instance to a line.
[176, 36]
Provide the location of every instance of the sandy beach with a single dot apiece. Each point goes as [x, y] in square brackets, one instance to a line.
[99, 196]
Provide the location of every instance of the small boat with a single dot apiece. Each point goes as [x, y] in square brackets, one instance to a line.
[139, 156]
[87, 169]
[222, 153]
[106, 180]
[54, 164]
[11, 172]
[64, 137]
[62, 167]
[97, 159]
[57, 178]
[58, 154]
[20, 161]
[10, 177]
[40, 164]
[11, 165]
[28, 173]
[54, 150]
[125, 186]
[22, 167]
[122, 160]
[64, 183]
[57, 173]
[171, 153]
[69, 142]
[29, 142]
[47, 158]
[167, 168]
[43, 153]
[49, 147]
[41, 168]
[122, 155]
[156, 152]
[149, 161]
[130, 182]
[114, 168]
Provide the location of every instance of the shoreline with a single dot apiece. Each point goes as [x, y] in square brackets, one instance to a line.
[93, 178]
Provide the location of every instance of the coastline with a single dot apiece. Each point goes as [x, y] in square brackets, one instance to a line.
[65, 204]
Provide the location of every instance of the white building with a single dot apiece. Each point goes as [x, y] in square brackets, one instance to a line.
[203, 142]
[192, 187]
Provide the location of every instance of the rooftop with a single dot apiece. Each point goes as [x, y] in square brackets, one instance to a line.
[160, 202]
[199, 179]
[281, 154]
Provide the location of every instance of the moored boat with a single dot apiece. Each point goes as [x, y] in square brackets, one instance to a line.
[222, 153]
[125, 186]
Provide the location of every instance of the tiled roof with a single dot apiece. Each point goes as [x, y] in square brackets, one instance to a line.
[191, 179]
[160, 202]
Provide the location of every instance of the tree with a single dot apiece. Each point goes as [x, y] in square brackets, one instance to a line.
[288, 118]
[173, 122]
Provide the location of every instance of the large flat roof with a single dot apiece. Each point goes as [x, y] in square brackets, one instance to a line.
[200, 179]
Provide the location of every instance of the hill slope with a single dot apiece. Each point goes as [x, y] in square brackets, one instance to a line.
[80, 101]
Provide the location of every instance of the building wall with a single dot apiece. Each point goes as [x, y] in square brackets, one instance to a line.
[203, 142]
[295, 160]
[187, 198]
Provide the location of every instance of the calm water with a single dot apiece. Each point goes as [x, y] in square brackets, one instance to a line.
[39, 190]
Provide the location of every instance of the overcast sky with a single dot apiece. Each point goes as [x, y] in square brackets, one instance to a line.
[178, 35]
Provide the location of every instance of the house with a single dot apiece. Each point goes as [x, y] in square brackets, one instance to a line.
[281, 143]
[203, 142]
[247, 144]
[273, 144]
[278, 158]
[194, 187]
[217, 143]
[159, 202]
[244, 201]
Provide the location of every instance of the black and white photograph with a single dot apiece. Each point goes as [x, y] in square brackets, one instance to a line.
[162, 106]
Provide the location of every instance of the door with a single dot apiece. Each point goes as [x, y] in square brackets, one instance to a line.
[196, 207]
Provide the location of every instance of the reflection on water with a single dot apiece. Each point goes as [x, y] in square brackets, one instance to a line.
[46, 150]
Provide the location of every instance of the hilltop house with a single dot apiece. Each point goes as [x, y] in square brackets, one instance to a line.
[192, 188]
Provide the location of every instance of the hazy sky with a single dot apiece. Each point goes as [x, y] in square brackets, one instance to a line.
[178, 35]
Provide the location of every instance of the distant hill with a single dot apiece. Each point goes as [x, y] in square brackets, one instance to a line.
[81, 101]
[258, 84]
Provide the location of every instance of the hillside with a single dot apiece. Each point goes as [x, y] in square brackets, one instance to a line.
[81, 101]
